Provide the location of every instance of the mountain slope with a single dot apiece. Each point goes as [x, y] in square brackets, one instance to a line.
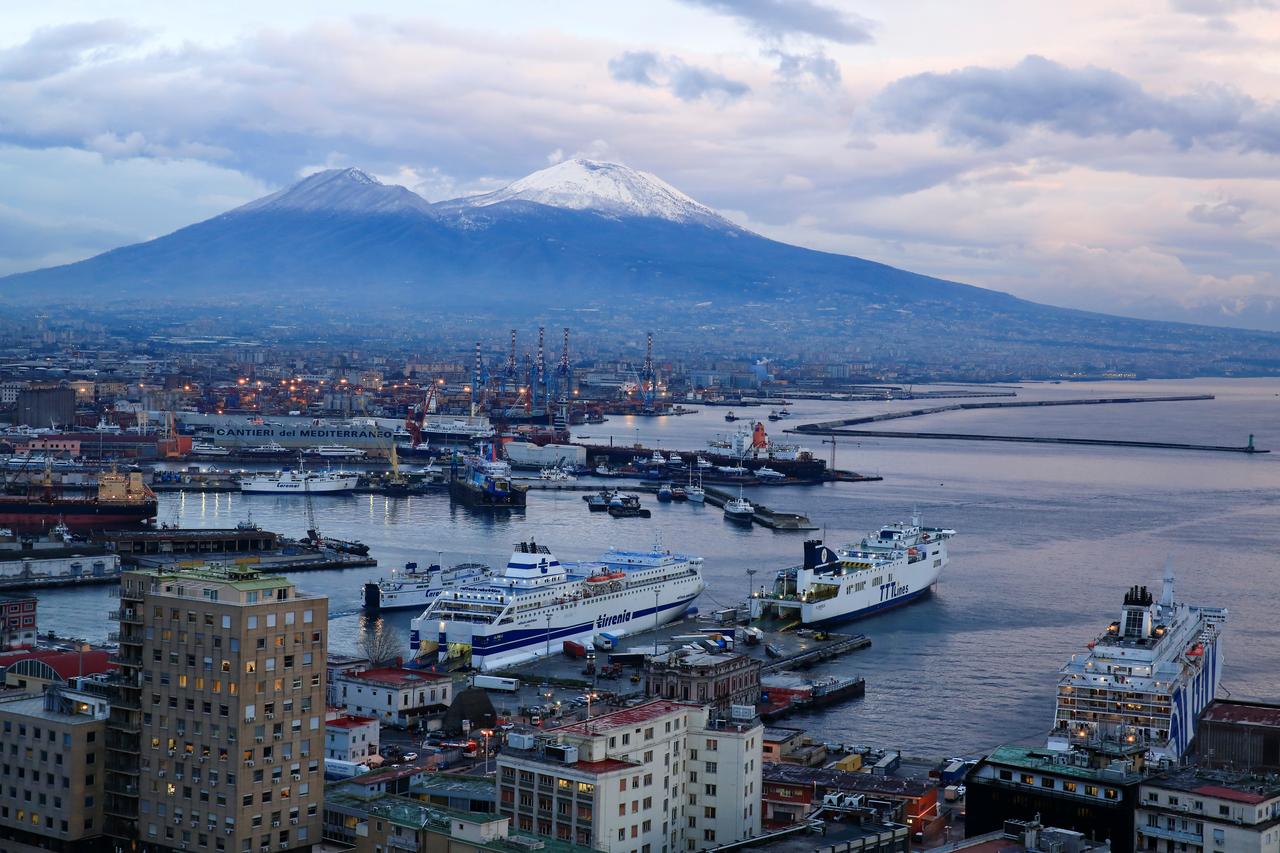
[623, 243]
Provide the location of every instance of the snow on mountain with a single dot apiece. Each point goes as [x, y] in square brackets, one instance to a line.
[345, 190]
[608, 188]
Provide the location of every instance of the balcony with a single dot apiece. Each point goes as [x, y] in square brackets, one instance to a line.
[1171, 834]
[397, 843]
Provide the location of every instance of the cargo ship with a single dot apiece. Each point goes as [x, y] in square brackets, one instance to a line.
[535, 603]
[893, 566]
[485, 484]
[123, 500]
[1146, 678]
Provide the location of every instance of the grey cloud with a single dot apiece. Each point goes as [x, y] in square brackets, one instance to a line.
[1218, 8]
[52, 50]
[819, 66]
[779, 18]
[1224, 212]
[687, 82]
[989, 106]
[635, 66]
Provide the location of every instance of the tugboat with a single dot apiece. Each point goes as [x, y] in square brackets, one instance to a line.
[665, 493]
[627, 506]
[485, 484]
[739, 510]
[730, 416]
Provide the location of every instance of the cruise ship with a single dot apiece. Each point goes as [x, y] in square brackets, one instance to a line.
[300, 482]
[535, 603]
[895, 565]
[412, 588]
[1145, 679]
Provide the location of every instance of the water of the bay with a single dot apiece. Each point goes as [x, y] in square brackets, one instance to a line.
[1050, 536]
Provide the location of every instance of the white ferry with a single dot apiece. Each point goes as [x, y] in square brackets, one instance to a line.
[1146, 679]
[893, 566]
[535, 603]
[335, 451]
[412, 588]
[204, 448]
[300, 482]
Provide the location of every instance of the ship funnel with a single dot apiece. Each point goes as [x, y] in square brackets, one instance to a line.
[811, 547]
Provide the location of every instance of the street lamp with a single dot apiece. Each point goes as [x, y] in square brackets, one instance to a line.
[591, 694]
[487, 733]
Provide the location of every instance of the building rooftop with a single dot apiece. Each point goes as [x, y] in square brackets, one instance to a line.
[34, 707]
[1226, 785]
[239, 577]
[67, 664]
[1043, 759]
[397, 677]
[627, 717]
[349, 721]
[1243, 713]
[17, 596]
[457, 785]
[794, 774]
[778, 734]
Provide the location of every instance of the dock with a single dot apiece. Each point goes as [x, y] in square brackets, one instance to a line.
[763, 515]
[1038, 439]
[836, 645]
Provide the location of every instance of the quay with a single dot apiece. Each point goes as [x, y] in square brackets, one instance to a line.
[763, 515]
[247, 546]
[835, 646]
[827, 427]
[1036, 439]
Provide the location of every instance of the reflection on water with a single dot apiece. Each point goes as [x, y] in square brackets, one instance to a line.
[1049, 538]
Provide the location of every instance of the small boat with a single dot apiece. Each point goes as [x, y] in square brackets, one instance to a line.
[695, 494]
[605, 471]
[665, 493]
[679, 494]
[764, 472]
[555, 475]
[626, 506]
[657, 458]
[730, 416]
[599, 502]
[772, 651]
[675, 461]
[739, 510]
[268, 449]
[704, 464]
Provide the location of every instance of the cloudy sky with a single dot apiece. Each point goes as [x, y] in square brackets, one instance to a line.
[1119, 155]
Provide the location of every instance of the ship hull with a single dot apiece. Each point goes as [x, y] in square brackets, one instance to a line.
[74, 513]
[288, 487]
[532, 636]
[475, 498]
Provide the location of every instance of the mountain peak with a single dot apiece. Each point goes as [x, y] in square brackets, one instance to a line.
[340, 190]
[608, 188]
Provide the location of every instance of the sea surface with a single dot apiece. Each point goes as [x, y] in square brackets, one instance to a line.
[1050, 537]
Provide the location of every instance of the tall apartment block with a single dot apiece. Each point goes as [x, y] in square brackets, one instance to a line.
[216, 737]
[662, 777]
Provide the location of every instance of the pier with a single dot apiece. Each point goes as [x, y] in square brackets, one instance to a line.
[840, 427]
[763, 515]
[836, 645]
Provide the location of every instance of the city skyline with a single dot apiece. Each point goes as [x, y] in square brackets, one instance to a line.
[1117, 159]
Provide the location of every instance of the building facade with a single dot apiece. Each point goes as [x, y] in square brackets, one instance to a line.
[399, 697]
[51, 773]
[350, 737]
[720, 680]
[17, 620]
[1208, 811]
[657, 778]
[222, 705]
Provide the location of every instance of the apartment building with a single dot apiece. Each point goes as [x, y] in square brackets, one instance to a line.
[17, 619]
[51, 772]
[708, 678]
[222, 701]
[1197, 810]
[656, 778]
[399, 697]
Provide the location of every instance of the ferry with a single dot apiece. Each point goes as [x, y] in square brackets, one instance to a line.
[895, 565]
[535, 603]
[739, 510]
[1145, 679]
[204, 448]
[335, 451]
[300, 482]
[412, 588]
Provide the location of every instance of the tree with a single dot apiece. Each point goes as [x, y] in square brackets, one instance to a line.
[380, 644]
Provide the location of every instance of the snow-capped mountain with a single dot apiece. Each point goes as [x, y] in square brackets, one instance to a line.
[611, 189]
[345, 190]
